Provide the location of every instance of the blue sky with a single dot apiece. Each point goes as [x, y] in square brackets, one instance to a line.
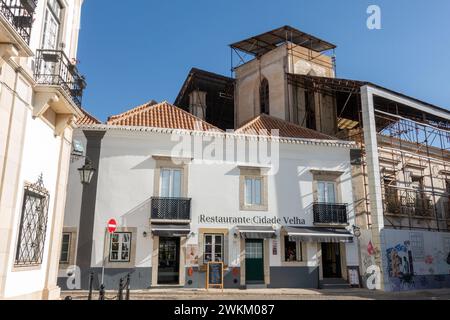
[142, 50]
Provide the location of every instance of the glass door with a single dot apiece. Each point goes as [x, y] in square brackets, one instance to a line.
[169, 261]
[326, 192]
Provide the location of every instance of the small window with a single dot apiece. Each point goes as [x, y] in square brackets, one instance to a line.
[171, 183]
[253, 191]
[120, 247]
[293, 250]
[265, 97]
[213, 251]
[65, 248]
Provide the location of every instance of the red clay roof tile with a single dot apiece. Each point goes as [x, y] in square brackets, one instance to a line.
[263, 124]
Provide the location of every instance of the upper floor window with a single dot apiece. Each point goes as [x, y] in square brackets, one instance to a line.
[171, 183]
[326, 192]
[33, 226]
[264, 96]
[253, 191]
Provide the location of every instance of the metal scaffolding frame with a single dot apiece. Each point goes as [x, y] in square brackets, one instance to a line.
[414, 152]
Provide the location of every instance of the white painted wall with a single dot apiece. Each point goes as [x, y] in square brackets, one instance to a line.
[126, 178]
[28, 147]
[40, 156]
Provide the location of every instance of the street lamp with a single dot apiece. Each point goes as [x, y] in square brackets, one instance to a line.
[357, 231]
[86, 172]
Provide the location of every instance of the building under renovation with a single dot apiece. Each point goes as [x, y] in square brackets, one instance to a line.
[401, 170]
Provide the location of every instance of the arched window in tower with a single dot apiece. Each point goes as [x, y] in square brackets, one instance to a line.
[264, 96]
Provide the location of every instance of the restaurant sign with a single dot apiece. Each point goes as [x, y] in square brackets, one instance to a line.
[253, 220]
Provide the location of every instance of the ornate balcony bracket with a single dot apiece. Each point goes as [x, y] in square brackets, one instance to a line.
[7, 51]
[63, 121]
[43, 102]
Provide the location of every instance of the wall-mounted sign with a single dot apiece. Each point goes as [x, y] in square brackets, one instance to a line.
[254, 220]
[274, 247]
[214, 275]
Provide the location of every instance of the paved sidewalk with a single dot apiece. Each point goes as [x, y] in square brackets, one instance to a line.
[270, 294]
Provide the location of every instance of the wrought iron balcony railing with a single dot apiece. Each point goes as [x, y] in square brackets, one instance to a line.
[410, 203]
[171, 209]
[19, 13]
[326, 213]
[54, 68]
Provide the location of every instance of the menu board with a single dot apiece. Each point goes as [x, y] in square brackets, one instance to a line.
[214, 275]
[353, 275]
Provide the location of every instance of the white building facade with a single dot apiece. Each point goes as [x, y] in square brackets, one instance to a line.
[40, 96]
[282, 223]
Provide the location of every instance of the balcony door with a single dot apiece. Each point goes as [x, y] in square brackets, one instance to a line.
[326, 192]
[50, 41]
[170, 183]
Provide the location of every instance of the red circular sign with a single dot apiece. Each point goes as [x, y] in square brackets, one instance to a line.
[112, 226]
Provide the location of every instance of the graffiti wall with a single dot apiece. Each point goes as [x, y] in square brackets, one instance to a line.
[414, 260]
[368, 253]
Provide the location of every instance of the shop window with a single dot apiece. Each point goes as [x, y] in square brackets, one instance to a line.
[213, 248]
[120, 247]
[33, 226]
[292, 250]
[65, 248]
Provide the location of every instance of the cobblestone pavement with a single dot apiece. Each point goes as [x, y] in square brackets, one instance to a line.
[272, 294]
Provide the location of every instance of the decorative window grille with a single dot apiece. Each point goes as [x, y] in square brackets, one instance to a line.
[33, 225]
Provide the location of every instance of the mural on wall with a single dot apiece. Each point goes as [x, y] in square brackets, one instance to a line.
[400, 264]
[192, 255]
[416, 260]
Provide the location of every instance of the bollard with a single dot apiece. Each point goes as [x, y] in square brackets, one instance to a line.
[102, 292]
[120, 294]
[91, 284]
[127, 295]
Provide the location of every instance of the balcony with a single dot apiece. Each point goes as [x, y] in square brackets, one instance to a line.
[53, 68]
[171, 209]
[408, 203]
[19, 15]
[330, 214]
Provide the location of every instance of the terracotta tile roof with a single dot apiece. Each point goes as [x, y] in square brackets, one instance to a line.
[286, 129]
[161, 115]
[87, 119]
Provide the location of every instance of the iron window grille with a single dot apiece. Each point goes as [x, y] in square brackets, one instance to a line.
[19, 13]
[33, 225]
[54, 68]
